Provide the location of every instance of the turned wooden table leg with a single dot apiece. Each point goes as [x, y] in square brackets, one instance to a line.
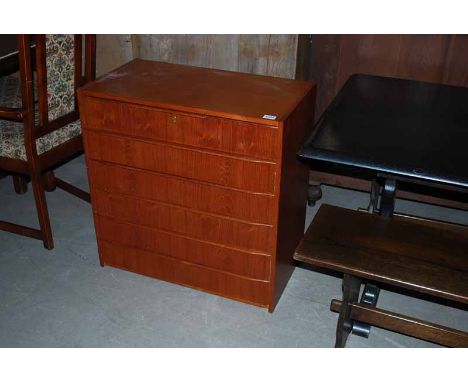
[20, 182]
[351, 286]
[314, 193]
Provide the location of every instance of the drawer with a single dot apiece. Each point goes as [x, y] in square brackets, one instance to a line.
[190, 223]
[121, 118]
[247, 139]
[250, 175]
[258, 208]
[180, 272]
[235, 137]
[213, 256]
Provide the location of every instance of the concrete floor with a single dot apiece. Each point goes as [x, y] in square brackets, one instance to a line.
[63, 298]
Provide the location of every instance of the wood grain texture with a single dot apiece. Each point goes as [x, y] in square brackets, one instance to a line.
[304, 51]
[180, 272]
[293, 191]
[187, 222]
[253, 53]
[112, 50]
[163, 85]
[193, 196]
[409, 326]
[456, 65]
[413, 254]
[359, 52]
[223, 135]
[427, 257]
[422, 57]
[432, 58]
[324, 64]
[210, 51]
[282, 56]
[248, 206]
[273, 55]
[242, 174]
[218, 257]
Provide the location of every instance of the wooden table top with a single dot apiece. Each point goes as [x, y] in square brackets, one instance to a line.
[417, 254]
[214, 92]
[404, 128]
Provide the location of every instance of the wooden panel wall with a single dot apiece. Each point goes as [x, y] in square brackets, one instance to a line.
[433, 58]
[213, 51]
[112, 51]
[273, 55]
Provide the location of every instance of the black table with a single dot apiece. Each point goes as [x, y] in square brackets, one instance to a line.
[400, 129]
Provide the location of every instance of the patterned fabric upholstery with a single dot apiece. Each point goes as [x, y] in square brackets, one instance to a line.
[60, 67]
[12, 133]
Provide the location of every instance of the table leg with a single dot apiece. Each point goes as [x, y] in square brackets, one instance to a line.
[314, 193]
[387, 206]
[351, 288]
[369, 296]
[387, 200]
[374, 197]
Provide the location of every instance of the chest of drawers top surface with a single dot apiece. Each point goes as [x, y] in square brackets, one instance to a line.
[213, 92]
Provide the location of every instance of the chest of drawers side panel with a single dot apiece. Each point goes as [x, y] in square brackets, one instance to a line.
[293, 183]
[86, 111]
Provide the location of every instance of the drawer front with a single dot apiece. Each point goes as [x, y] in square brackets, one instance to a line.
[213, 256]
[176, 271]
[247, 139]
[193, 224]
[250, 175]
[258, 208]
[121, 118]
[251, 140]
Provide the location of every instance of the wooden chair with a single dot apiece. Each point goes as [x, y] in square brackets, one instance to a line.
[37, 137]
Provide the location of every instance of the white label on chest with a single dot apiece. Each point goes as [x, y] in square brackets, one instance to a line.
[269, 116]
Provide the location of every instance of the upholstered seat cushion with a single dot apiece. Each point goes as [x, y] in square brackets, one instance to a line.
[12, 133]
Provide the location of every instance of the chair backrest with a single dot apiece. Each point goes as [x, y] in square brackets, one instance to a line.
[62, 66]
[60, 71]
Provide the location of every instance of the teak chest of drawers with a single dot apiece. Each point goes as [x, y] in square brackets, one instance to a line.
[191, 182]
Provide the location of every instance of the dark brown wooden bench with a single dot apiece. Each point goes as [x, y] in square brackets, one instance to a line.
[414, 254]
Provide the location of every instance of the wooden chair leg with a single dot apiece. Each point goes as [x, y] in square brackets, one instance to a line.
[351, 286]
[71, 189]
[20, 182]
[42, 212]
[49, 181]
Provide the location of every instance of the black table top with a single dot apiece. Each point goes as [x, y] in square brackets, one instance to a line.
[406, 128]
